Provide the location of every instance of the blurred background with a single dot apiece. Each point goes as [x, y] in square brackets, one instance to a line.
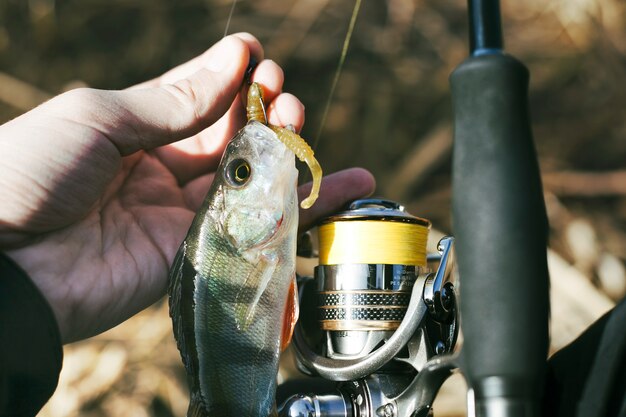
[391, 114]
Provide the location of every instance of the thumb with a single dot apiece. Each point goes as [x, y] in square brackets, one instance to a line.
[150, 117]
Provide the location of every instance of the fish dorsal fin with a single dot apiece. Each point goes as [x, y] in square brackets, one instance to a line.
[253, 287]
[292, 311]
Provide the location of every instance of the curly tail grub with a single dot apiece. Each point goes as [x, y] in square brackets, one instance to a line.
[255, 110]
[304, 153]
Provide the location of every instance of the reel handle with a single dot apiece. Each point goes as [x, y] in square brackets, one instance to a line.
[500, 226]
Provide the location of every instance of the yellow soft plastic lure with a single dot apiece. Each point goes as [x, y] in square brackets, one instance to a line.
[256, 111]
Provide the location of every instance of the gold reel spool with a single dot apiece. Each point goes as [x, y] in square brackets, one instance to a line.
[370, 255]
[363, 235]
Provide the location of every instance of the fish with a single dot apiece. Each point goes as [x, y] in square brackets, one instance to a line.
[232, 291]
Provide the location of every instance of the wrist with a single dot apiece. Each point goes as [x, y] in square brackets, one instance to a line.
[31, 354]
[27, 261]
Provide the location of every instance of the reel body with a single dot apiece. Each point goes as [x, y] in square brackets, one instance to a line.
[383, 315]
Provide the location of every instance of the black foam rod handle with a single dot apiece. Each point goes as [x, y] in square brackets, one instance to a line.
[500, 225]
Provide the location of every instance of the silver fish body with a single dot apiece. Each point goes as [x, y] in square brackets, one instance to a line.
[230, 280]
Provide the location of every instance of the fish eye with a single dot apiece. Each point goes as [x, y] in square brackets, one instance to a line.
[238, 172]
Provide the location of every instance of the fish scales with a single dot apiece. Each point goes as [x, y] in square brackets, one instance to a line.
[244, 360]
[230, 280]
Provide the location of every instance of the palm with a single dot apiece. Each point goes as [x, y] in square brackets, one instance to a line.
[133, 238]
[114, 256]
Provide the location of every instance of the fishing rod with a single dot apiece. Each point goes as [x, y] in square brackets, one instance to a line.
[500, 225]
[388, 315]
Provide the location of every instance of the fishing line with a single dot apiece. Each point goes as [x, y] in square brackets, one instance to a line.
[230, 16]
[373, 242]
[342, 59]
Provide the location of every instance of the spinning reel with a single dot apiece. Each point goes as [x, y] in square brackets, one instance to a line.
[386, 316]
[388, 351]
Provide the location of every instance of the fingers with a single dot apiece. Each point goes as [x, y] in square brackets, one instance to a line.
[198, 100]
[203, 61]
[269, 78]
[201, 153]
[150, 117]
[185, 107]
[286, 109]
[337, 190]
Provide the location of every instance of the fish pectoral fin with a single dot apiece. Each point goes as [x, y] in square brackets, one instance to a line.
[253, 287]
[292, 311]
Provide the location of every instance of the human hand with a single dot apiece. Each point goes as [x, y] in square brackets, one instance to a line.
[96, 197]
